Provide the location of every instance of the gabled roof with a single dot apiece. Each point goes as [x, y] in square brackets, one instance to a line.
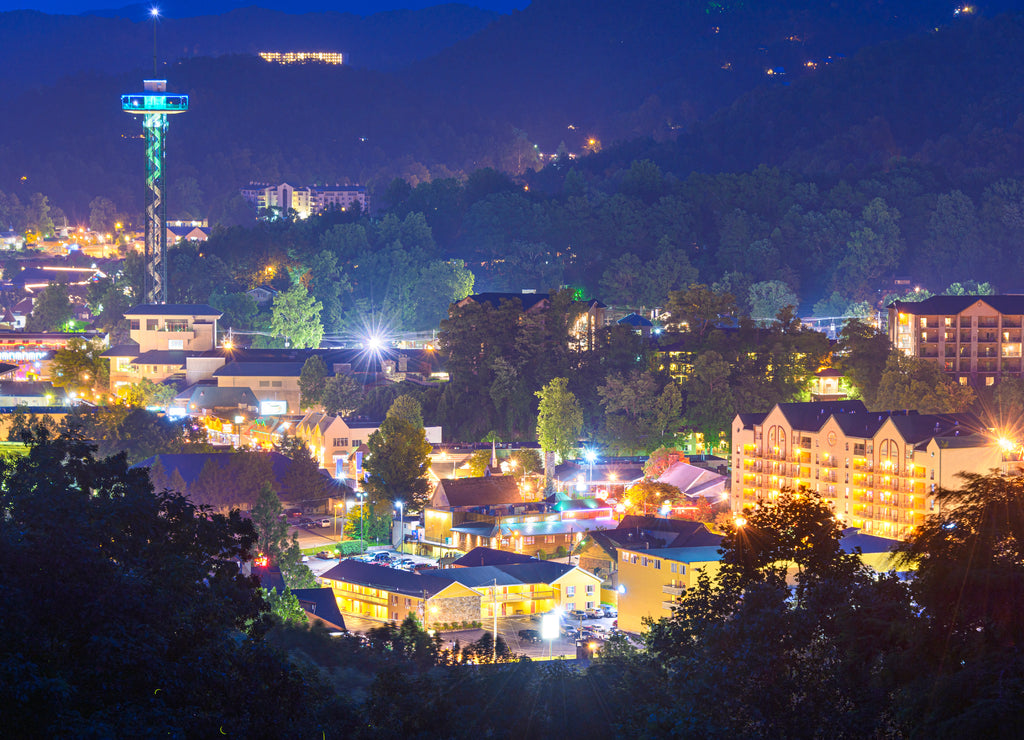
[26, 388]
[320, 605]
[493, 490]
[174, 309]
[531, 572]
[867, 543]
[489, 556]
[688, 554]
[693, 481]
[215, 397]
[672, 532]
[634, 319]
[809, 416]
[528, 300]
[389, 579]
[954, 304]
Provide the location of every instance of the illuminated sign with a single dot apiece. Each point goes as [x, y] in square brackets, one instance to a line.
[271, 408]
[549, 627]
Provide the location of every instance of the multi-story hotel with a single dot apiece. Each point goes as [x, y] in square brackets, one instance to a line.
[305, 201]
[879, 469]
[974, 338]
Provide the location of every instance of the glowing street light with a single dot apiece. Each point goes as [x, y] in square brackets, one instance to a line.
[362, 515]
[401, 526]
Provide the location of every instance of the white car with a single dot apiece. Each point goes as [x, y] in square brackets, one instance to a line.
[325, 522]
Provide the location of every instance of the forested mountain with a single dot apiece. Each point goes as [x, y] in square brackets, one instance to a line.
[37, 49]
[555, 72]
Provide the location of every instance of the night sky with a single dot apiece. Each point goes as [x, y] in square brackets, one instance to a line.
[364, 7]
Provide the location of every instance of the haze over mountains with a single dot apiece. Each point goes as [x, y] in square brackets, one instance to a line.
[452, 88]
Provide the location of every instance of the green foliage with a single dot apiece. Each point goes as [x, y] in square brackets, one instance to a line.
[136, 432]
[312, 382]
[146, 393]
[51, 310]
[79, 366]
[699, 309]
[272, 539]
[769, 297]
[408, 409]
[647, 497]
[155, 585]
[296, 316]
[351, 547]
[559, 418]
[643, 412]
[367, 523]
[284, 605]
[342, 395]
[861, 354]
[913, 383]
[397, 464]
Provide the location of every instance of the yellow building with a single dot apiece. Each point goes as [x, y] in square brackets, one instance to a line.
[879, 470]
[532, 587]
[976, 339]
[650, 580]
[386, 594]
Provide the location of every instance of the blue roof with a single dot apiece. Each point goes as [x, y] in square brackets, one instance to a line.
[684, 554]
[634, 319]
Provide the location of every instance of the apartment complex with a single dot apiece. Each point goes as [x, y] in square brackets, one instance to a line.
[305, 201]
[879, 469]
[974, 338]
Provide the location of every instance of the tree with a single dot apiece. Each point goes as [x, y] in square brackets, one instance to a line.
[397, 464]
[342, 395]
[102, 214]
[80, 366]
[51, 311]
[408, 409]
[156, 587]
[861, 354]
[915, 383]
[284, 605]
[649, 496]
[296, 316]
[303, 480]
[639, 416]
[700, 309]
[559, 418]
[146, 393]
[272, 539]
[312, 382]
[366, 522]
[769, 297]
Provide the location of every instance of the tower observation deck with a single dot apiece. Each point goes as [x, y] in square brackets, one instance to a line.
[154, 105]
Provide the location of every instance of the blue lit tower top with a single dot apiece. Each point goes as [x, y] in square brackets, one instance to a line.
[154, 105]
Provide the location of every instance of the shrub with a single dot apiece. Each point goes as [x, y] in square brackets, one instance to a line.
[351, 547]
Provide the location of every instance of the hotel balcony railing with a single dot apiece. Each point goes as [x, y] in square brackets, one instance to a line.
[673, 590]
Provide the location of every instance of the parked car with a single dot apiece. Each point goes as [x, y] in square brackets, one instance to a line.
[610, 611]
[577, 614]
[422, 566]
[570, 632]
[326, 522]
[324, 555]
[382, 557]
[529, 635]
[595, 613]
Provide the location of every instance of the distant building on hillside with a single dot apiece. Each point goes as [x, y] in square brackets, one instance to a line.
[303, 57]
[304, 201]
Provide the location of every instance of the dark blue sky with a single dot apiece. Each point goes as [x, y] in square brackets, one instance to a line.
[365, 7]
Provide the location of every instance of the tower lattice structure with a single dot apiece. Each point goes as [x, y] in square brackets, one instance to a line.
[154, 105]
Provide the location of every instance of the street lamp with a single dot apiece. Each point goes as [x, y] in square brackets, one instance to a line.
[401, 526]
[590, 456]
[362, 515]
[336, 507]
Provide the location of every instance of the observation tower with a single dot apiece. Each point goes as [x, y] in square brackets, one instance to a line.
[154, 105]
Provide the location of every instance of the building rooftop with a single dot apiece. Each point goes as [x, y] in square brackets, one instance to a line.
[390, 579]
[489, 556]
[173, 309]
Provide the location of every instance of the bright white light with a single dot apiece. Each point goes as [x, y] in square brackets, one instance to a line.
[374, 344]
[590, 456]
[155, 12]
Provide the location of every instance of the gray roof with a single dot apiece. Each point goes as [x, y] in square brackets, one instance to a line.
[489, 556]
[162, 357]
[128, 349]
[173, 309]
[320, 603]
[533, 571]
[211, 396]
[953, 304]
[256, 369]
[634, 319]
[389, 579]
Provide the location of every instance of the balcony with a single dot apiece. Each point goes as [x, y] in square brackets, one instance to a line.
[673, 590]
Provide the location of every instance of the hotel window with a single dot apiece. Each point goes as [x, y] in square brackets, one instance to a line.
[151, 324]
[549, 539]
[528, 540]
[408, 603]
[176, 324]
[590, 590]
[135, 325]
[264, 384]
[657, 565]
[341, 441]
[625, 557]
[275, 383]
[643, 562]
[570, 591]
[673, 567]
[682, 569]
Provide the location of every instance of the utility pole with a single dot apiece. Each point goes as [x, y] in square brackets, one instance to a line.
[494, 642]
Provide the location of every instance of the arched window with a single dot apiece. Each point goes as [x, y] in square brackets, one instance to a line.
[889, 456]
[776, 441]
